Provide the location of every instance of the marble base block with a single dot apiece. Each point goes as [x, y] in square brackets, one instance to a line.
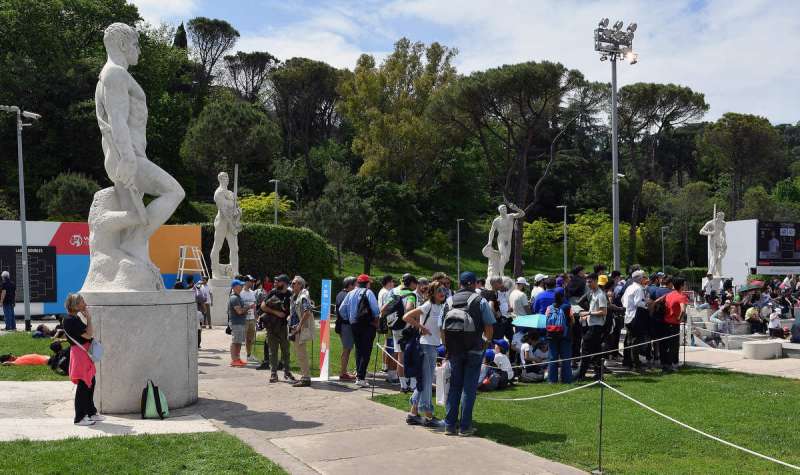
[220, 293]
[145, 336]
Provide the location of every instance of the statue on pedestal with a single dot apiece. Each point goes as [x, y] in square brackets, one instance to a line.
[717, 243]
[227, 225]
[503, 226]
[120, 225]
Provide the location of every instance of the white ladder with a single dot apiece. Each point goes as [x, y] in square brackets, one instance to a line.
[191, 260]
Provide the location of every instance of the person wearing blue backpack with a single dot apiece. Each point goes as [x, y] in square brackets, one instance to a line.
[559, 322]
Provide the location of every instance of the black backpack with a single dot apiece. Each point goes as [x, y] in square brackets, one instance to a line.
[363, 311]
[462, 326]
[394, 317]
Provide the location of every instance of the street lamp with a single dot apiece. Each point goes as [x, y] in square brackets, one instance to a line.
[276, 199]
[458, 246]
[26, 291]
[663, 265]
[613, 43]
[564, 207]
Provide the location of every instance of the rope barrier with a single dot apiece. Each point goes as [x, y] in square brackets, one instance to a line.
[686, 426]
[593, 383]
[383, 349]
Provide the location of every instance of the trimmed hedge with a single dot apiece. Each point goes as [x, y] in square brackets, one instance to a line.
[265, 249]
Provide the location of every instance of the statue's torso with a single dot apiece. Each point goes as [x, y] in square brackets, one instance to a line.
[137, 109]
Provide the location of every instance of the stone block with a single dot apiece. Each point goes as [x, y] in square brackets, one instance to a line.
[762, 350]
[220, 291]
[145, 336]
[791, 350]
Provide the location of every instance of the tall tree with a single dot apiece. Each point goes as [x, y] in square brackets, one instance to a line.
[180, 40]
[249, 73]
[211, 39]
[745, 146]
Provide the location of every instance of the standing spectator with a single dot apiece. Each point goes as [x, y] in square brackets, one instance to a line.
[560, 346]
[267, 284]
[206, 291]
[248, 296]
[361, 308]
[615, 318]
[676, 302]
[545, 298]
[276, 307]
[636, 319]
[405, 298]
[445, 280]
[300, 323]
[538, 286]
[593, 321]
[775, 328]
[480, 284]
[518, 300]
[426, 320]
[8, 297]
[464, 354]
[575, 287]
[81, 367]
[345, 330]
[237, 317]
[423, 286]
[261, 296]
[200, 303]
[389, 366]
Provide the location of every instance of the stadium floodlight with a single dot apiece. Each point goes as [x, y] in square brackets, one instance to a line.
[603, 23]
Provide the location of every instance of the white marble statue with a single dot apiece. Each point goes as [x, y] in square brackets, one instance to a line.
[227, 225]
[503, 226]
[120, 225]
[717, 243]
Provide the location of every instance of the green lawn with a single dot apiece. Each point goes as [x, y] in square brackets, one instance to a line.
[210, 453]
[757, 412]
[21, 343]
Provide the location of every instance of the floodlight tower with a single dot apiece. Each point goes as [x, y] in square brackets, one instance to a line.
[613, 43]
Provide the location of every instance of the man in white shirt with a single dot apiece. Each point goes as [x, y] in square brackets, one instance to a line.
[637, 322]
[248, 296]
[518, 300]
[593, 321]
[538, 286]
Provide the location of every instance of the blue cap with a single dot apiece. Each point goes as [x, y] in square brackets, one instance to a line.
[502, 343]
[489, 355]
[467, 278]
[236, 282]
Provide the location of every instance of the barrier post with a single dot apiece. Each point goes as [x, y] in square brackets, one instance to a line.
[378, 356]
[599, 470]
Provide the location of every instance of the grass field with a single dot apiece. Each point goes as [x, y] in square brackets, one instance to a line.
[21, 343]
[757, 412]
[210, 453]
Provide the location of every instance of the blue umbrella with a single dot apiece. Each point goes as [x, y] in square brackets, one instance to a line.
[536, 321]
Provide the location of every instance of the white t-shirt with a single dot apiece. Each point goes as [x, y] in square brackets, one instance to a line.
[433, 313]
[503, 363]
[248, 298]
[775, 320]
[518, 301]
[502, 298]
[536, 290]
[383, 296]
[597, 300]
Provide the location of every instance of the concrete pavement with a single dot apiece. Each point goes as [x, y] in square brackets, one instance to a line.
[732, 360]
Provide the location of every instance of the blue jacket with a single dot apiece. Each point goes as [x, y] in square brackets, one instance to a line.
[349, 308]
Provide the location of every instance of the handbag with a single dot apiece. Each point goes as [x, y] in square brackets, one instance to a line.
[95, 350]
[442, 383]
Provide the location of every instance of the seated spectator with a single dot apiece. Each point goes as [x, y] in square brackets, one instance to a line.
[501, 358]
[533, 351]
[775, 328]
[490, 376]
[754, 319]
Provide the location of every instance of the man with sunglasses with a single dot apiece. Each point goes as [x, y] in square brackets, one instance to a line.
[276, 308]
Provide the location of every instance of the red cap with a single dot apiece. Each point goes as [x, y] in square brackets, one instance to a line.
[362, 278]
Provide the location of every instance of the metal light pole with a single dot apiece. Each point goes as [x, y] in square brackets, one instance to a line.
[458, 246]
[613, 43]
[276, 199]
[26, 291]
[564, 207]
[663, 261]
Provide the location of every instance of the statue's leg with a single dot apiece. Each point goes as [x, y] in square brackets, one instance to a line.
[219, 237]
[233, 245]
[154, 181]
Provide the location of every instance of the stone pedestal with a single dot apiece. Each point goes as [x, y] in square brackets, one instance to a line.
[220, 292]
[145, 335]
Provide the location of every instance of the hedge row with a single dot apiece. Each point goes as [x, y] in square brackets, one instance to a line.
[265, 249]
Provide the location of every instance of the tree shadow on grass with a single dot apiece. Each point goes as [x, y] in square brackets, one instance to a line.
[515, 436]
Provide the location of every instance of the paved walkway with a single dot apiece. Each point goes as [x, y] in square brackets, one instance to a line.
[336, 429]
[732, 360]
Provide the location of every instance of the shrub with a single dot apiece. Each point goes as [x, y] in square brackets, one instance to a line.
[270, 250]
[67, 197]
[261, 208]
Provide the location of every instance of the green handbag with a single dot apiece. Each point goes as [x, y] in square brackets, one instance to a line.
[154, 403]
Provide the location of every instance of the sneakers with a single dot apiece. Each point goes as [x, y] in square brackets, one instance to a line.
[413, 420]
[469, 432]
[450, 431]
[252, 359]
[362, 383]
[238, 364]
[263, 366]
[433, 423]
[97, 417]
[303, 383]
[273, 378]
[288, 376]
[346, 377]
[85, 422]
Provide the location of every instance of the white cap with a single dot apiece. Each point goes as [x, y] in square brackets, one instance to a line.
[637, 275]
[538, 278]
[522, 280]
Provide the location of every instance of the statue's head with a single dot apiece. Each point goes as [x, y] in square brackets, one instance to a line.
[223, 179]
[122, 39]
[502, 210]
[720, 216]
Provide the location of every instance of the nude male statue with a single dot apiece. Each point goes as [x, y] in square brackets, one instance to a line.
[227, 224]
[120, 225]
[122, 117]
[717, 243]
[503, 225]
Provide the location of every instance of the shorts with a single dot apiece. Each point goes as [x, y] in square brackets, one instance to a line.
[397, 335]
[250, 331]
[347, 336]
[237, 333]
